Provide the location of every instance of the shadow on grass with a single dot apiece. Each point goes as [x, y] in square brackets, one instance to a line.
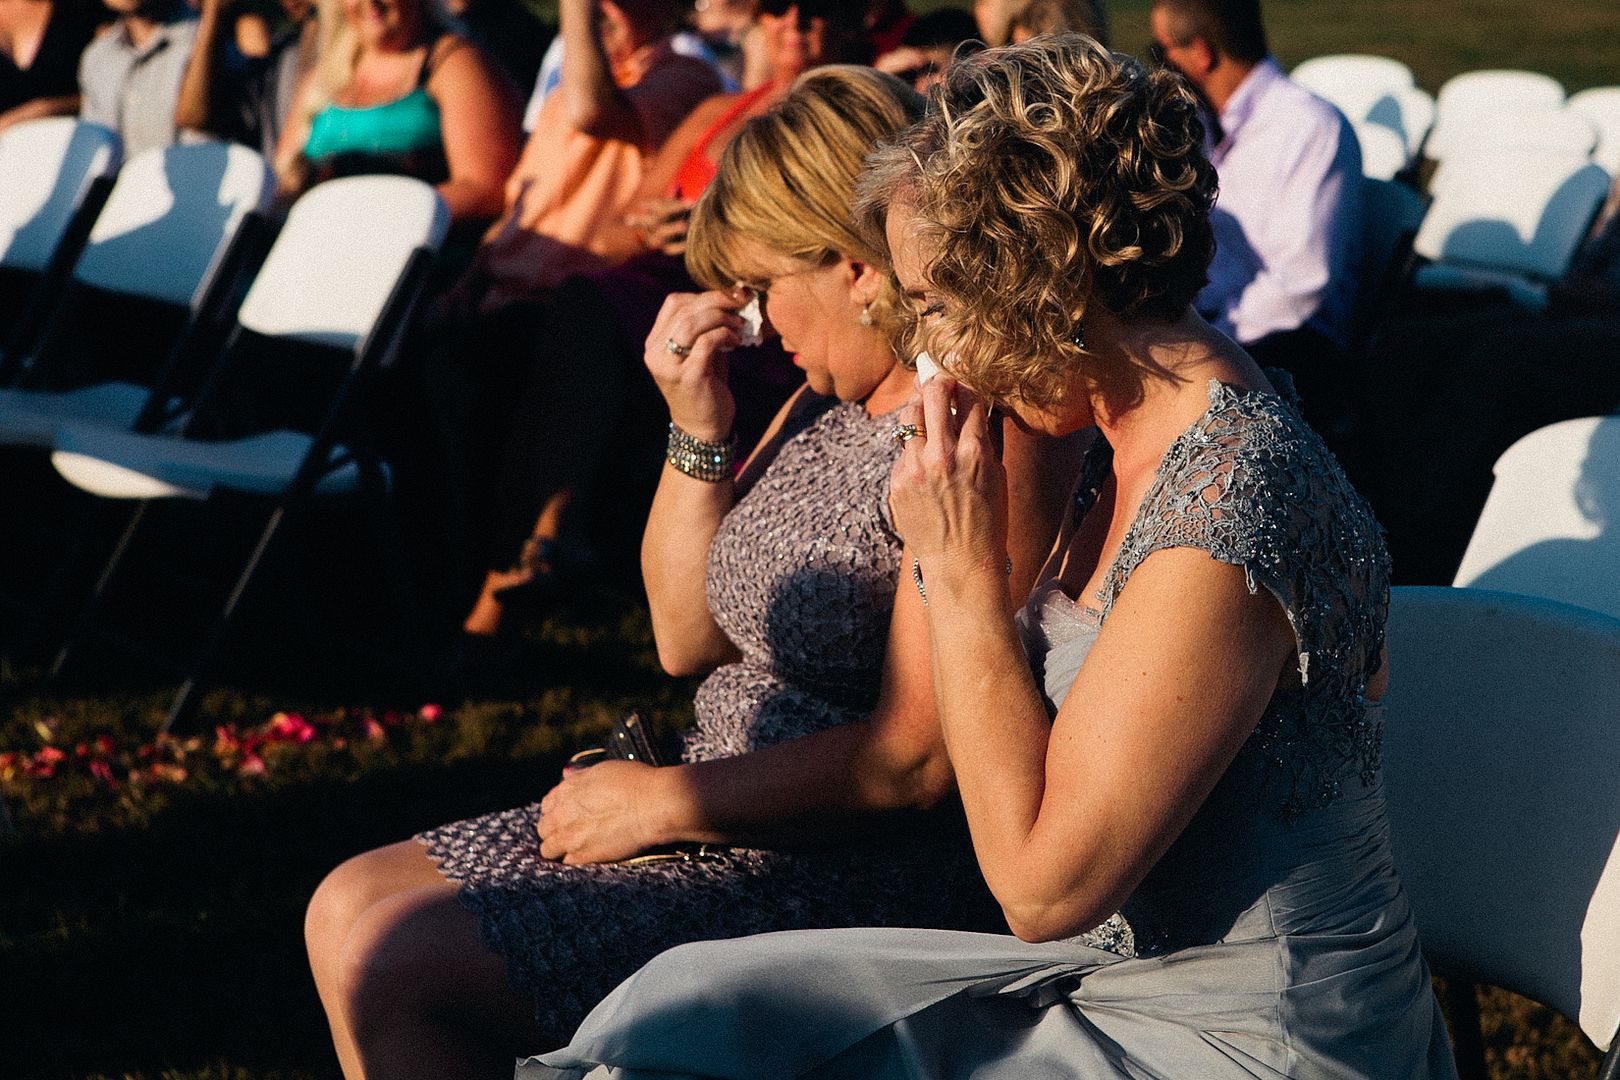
[180, 944]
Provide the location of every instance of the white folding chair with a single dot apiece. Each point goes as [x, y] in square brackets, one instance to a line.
[1531, 128]
[1467, 103]
[1601, 106]
[1353, 81]
[1551, 525]
[344, 274]
[1504, 802]
[54, 172]
[1507, 219]
[172, 219]
[1383, 151]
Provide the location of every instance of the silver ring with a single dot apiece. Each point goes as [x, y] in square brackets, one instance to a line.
[904, 433]
[677, 348]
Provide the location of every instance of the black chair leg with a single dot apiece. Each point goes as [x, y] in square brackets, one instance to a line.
[87, 612]
[203, 659]
[1610, 1069]
[1461, 1003]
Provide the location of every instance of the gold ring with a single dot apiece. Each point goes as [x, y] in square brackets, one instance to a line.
[904, 433]
[677, 348]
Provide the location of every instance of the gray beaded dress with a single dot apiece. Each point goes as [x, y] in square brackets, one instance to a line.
[801, 577]
[1272, 940]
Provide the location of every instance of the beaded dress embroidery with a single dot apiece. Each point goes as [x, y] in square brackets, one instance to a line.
[1254, 486]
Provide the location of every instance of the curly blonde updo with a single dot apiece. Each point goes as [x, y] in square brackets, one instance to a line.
[1046, 176]
[787, 180]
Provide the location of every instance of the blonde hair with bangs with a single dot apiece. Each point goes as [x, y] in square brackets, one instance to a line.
[1047, 175]
[787, 179]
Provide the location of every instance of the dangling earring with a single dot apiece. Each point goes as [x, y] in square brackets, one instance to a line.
[865, 318]
[1078, 338]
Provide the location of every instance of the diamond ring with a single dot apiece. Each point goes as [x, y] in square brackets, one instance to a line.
[904, 433]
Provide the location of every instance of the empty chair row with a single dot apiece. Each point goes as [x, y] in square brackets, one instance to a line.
[1397, 122]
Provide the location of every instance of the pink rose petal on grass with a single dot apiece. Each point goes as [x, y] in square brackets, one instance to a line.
[430, 713]
[103, 772]
[374, 731]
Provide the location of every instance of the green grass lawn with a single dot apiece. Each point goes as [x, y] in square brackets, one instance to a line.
[150, 918]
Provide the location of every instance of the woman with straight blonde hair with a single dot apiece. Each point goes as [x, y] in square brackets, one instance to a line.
[814, 778]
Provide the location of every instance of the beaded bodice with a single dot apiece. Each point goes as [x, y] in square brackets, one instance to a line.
[1253, 485]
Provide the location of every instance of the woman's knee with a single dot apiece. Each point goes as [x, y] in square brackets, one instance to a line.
[356, 884]
[412, 954]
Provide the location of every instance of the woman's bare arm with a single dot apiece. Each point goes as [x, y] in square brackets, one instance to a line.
[1068, 817]
[478, 121]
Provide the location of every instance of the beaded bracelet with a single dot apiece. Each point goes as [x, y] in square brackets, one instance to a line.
[706, 461]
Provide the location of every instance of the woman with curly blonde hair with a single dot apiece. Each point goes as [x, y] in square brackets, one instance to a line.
[1172, 749]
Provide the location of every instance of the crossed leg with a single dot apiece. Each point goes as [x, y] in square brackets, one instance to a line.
[409, 988]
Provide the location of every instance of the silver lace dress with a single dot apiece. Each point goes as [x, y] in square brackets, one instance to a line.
[1272, 940]
[802, 578]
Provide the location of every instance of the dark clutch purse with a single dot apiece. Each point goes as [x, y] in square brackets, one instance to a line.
[629, 740]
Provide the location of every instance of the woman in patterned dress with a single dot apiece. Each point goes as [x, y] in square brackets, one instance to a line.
[1181, 726]
[815, 765]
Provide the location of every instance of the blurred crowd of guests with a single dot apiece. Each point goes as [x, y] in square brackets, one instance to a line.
[570, 157]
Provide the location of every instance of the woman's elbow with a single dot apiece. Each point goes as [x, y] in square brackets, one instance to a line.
[1052, 913]
[678, 662]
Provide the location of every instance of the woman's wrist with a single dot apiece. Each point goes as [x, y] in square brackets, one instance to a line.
[961, 582]
[666, 810]
[706, 459]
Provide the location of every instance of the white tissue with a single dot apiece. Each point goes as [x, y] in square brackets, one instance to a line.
[926, 368]
[753, 322]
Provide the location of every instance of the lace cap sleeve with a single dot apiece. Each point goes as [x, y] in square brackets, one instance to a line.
[1254, 486]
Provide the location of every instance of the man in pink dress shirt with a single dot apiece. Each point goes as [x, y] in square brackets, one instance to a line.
[1287, 222]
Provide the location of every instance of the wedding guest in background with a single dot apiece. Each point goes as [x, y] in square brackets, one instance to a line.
[623, 90]
[246, 65]
[129, 76]
[40, 45]
[394, 90]
[1287, 223]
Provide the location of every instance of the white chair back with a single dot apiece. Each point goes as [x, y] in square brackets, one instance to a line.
[1504, 801]
[338, 258]
[1352, 81]
[1551, 525]
[46, 168]
[1601, 106]
[1516, 212]
[1383, 152]
[1532, 128]
[1499, 88]
[170, 218]
[1468, 103]
[1409, 113]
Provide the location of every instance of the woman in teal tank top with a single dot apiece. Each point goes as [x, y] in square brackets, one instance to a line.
[394, 92]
